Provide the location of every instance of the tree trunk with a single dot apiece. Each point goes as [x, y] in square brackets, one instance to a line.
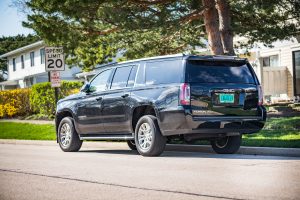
[225, 26]
[212, 27]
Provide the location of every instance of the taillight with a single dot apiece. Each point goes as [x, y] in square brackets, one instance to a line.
[260, 95]
[185, 94]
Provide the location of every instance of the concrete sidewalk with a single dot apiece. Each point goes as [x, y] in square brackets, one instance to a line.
[28, 121]
[266, 151]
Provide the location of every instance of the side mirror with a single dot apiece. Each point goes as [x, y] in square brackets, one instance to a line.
[85, 88]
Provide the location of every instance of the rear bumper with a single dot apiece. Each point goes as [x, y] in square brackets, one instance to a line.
[180, 121]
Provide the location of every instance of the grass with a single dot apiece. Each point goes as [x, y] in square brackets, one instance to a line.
[24, 131]
[278, 132]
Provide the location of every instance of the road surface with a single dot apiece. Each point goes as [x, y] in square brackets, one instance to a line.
[114, 172]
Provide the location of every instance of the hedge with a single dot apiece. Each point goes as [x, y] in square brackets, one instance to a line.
[39, 99]
[14, 102]
[42, 96]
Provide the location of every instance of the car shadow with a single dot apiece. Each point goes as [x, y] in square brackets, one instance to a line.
[182, 154]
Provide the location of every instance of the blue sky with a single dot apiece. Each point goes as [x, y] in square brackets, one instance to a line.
[11, 20]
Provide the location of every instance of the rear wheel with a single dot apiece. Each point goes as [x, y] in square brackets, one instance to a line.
[131, 144]
[68, 138]
[148, 138]
[227, 145]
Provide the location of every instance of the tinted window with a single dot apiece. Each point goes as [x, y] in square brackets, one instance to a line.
[131, 79]
[140, 79]
[121, 77]
[99, 83]
[218, 72]
[161, 72]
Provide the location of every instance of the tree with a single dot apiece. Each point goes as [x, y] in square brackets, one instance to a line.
[10, 43]
[157, 27]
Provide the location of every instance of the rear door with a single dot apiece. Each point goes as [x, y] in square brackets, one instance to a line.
[115, 114]
[222, 88]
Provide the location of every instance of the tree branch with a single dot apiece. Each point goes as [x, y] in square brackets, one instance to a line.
[151, 2]
[104, 32]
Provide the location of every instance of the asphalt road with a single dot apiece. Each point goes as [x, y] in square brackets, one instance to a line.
[114, 172]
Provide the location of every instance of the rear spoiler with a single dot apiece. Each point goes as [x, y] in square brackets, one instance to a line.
[218, 58]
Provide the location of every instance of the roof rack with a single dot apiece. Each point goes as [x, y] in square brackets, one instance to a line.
[106, 65]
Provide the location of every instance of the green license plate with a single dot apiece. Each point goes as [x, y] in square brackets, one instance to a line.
[226, 98]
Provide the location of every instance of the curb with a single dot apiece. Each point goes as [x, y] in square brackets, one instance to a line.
[265, 151]
[28, 121]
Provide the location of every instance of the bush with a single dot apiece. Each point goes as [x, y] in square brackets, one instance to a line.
[42, 96]
[15, 103]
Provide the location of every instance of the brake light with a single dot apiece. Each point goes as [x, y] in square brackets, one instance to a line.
[260, 95]
[185, 94]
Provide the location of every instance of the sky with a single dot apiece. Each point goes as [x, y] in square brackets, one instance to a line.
[11, 20]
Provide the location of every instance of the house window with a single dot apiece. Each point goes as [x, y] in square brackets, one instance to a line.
[42, 54]
[14, 64]
[270, 61]
[32, 59]
[22, 61]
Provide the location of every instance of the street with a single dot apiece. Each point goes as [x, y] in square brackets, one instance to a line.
[112, 171]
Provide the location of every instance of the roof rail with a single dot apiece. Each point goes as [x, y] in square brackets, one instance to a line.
[106, 65]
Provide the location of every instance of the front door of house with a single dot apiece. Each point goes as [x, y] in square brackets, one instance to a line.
[296, 66]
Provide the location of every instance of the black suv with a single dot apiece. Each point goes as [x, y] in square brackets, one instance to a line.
[148, 101]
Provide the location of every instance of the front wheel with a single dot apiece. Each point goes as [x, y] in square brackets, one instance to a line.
[68, 138]
[227, 145]
[148, 138]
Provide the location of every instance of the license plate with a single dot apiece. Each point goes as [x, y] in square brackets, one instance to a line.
[226, 98]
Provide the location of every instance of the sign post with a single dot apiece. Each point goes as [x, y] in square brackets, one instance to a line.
[54, 62]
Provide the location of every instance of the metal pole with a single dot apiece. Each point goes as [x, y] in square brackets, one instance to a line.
[56, 94]
[55, 89]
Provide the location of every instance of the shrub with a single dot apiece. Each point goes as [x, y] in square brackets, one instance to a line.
[15, 102]
[42, 96]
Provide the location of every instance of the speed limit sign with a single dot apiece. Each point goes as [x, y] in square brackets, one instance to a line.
[54, 59]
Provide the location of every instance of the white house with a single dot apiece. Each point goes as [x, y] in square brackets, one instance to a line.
[26, 66]
[278, 69]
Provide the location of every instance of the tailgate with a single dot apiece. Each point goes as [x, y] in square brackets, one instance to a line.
[223, 100]
[222, 88]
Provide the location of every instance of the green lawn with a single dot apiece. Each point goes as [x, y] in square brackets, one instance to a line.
[278, 132]
[24, 131]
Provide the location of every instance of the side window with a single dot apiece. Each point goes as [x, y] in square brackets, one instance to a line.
[121, 77]
[160, 72]
[140, 79]
[99, 83]
[131, 79]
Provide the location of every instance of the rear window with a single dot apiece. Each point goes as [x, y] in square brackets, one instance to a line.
[167, 71]
[218, 72]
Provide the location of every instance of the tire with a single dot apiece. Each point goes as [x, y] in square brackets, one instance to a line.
[153, 143]
[67, 136]
[227, 145]
[131, 144]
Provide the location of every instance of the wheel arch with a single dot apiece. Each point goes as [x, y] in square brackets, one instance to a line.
[60, 115]
[140, 111]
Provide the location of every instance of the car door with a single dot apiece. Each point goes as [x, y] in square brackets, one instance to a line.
[115, 103]
[89, 108]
